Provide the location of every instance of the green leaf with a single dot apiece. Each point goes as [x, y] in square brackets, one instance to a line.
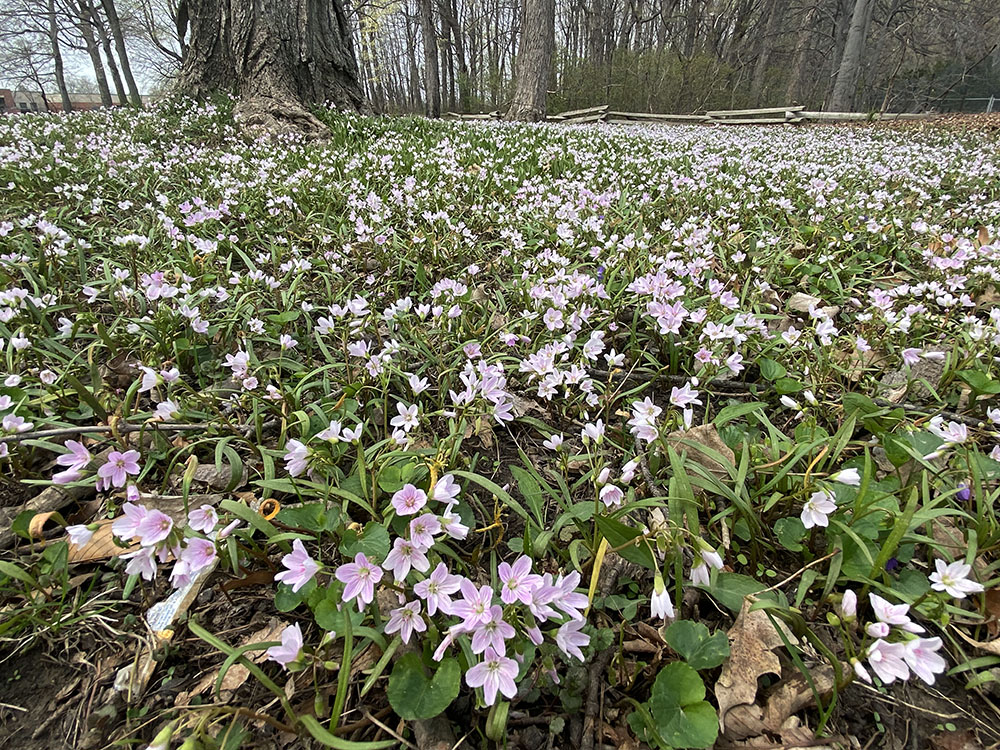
[373, 541]
[619, 535]
[413, 695]
[700, 649]
[784, 386]
[790, 533]
[730, 589]
[311, 516]
[683, 717]
[770, 369]
[735, 411]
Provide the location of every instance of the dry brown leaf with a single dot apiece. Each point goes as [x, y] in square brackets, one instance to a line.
[237, 674]
[707, 436]
[993, 612]
[36, 527]
[752, 641]
[792, 695]
[990, 647]
[963, 740]
[100, 547]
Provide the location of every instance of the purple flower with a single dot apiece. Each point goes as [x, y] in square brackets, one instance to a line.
[446, 489]
[405, 620]
[567, 599]
[492, 632]
[127, 526]
[359, 579]
[296, 458]
[494, 673]
[964, 493]
[474, 607]
[409, 500]
[290, 648]
[119, 467]
[203, 519]
[198, 554]
[437, 589]
[301, 567]
[141, 562]
[570, 639]
[887, 661]
[154, 528]
[402, 557]
[77, 460]
[518, 582]
[423, 529]
[921, 656]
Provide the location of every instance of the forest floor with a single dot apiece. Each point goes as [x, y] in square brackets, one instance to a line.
[442, 435]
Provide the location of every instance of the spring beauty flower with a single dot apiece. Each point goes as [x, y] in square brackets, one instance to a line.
[290, 648]
[816, 509]
[517, 581]
[922, 658]
[659, 602]
[359, 579]
[119, 467]
[850, 477]
[570, 639]
[893, 614]
[301, 567]
[437, 589]
[203, 519]
[404, 555]
[953, 578]
[495, 673]
[405, 620]
[887, 660]
[409, 500]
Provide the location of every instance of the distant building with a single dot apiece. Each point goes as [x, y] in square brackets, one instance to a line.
[12, 102]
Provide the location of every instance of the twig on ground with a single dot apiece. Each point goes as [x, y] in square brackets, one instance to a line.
[103, 429]
[583, 732]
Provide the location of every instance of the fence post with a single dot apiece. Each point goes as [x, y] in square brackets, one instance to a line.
[989, 104]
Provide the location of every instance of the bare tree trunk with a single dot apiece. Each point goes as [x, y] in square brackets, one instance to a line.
[772, 23]
[415, 101]
[276, 56]
[111, 12]
[534, 61]
[799, 57]
[67, 104]
[105, 40]
[842, 98]
[432, 85]
[87, 32]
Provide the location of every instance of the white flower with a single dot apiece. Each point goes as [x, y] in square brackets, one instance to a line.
[954, 579]
[817, 508]
[847, 476]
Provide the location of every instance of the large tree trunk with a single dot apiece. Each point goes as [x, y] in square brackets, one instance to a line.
[842, 98]
[432, 85]
[87, 32]
[534, 60]
[67, 104]
[114, 23]
[772, 24]
[799, 58]
[276, 56]
[105, 40]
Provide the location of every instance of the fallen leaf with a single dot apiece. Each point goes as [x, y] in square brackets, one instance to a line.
[752, 641]
[36, 527]
[990, 647]
[993, 612]
[793, 694]
[959, 740]
[101, 546]
[237, 674]
[708, 437]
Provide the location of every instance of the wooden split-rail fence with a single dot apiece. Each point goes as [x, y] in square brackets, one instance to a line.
[794, 115]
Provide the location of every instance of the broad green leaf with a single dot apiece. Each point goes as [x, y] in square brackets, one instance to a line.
[414, 695]
[700, 649]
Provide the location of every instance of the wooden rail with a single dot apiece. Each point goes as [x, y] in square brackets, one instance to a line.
[792, 115]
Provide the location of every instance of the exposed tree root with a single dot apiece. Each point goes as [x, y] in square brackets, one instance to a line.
[268, 116]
